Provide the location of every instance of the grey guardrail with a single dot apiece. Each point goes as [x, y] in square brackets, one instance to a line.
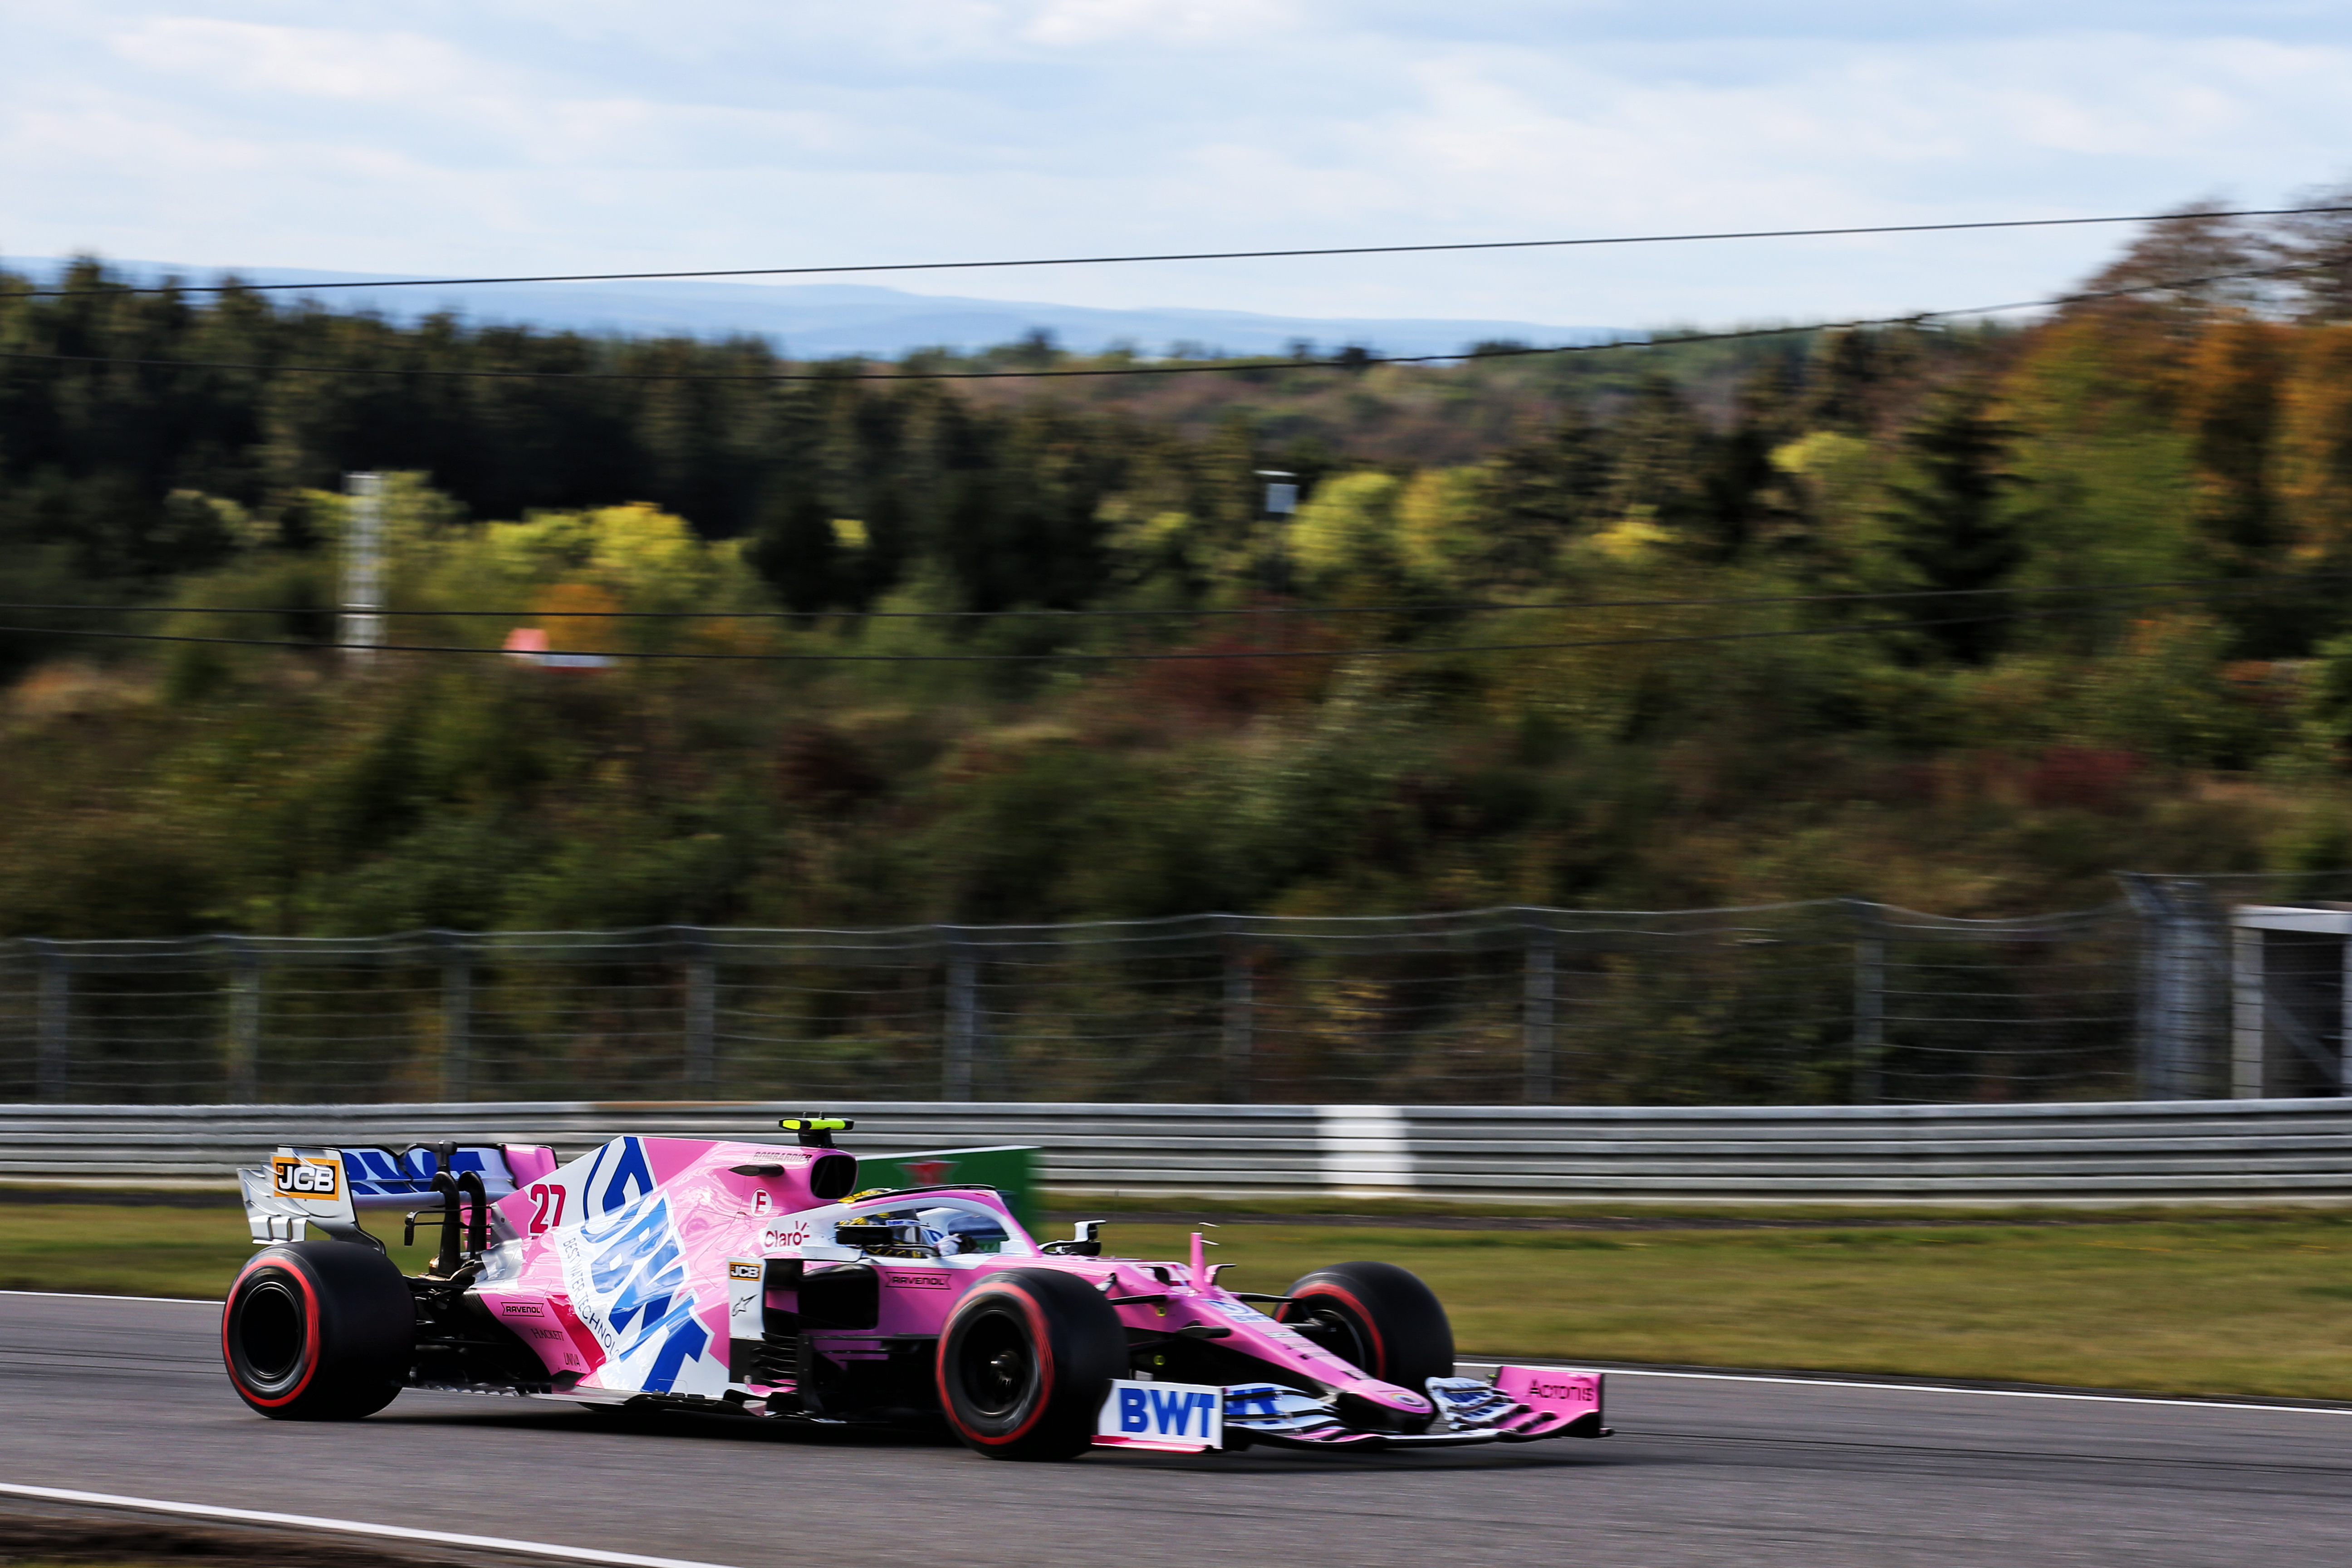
[2118, 1153]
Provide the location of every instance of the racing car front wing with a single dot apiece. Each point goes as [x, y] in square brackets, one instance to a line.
[1522, 1405]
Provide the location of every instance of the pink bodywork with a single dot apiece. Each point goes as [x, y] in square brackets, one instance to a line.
[614, 1269]
[1551, 1391]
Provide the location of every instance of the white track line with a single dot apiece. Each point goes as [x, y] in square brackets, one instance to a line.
[97, 1296]
[349, 1526]
[1919, 1387]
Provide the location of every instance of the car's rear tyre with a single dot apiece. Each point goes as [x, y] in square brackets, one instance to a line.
[318, 1330]
[1025, 1362]
[1375, 1316]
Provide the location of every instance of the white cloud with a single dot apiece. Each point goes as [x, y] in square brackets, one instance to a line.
[535, 135]
[315, 62]
[1232, 24]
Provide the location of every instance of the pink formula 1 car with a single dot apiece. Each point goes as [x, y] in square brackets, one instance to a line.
[751, 1279]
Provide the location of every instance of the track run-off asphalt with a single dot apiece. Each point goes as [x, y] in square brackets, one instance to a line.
[121, 1396]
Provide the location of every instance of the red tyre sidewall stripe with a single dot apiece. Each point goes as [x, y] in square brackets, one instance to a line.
[1044, 1361]
[309, 1332]
[1364, 1319]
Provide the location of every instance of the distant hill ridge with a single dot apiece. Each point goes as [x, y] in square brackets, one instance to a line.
[824, 320]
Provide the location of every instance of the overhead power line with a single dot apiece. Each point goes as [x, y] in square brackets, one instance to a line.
[1826, 233]
[1074, 656]
[1482, 606]
[1218, 367]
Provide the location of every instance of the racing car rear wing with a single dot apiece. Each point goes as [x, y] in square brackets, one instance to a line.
[306, 1191]
[321, 1191]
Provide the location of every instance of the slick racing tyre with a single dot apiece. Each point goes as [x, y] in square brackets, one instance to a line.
[1375, 1316]
[1027, 1362]
[318, 1330]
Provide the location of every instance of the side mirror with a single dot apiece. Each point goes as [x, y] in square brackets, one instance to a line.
[1087, 1243]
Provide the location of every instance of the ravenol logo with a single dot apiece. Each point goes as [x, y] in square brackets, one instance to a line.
[1161, 1415]
[296, 1177]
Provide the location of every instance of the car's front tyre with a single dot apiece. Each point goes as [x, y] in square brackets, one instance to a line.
[1375, 1316]
[1025, 1362]
[318, 1330]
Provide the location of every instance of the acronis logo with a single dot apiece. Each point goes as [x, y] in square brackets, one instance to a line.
[627, 1274]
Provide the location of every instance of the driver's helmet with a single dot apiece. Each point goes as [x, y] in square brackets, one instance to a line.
[960, 1230]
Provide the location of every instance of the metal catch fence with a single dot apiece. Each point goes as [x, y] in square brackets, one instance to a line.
[1796, 1003]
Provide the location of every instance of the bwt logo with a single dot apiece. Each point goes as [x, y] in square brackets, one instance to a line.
[302, 1178]
[1165, 1414]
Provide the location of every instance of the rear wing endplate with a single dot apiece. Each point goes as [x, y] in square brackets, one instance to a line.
[305, 1192]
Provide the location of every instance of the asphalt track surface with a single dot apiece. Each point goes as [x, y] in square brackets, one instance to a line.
[112, 1395]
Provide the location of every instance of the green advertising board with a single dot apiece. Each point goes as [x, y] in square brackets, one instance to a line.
[1011, 1168]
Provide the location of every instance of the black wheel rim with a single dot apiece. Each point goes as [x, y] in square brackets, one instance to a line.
[1334, 1328]
[998, 1367]
[268, 1335]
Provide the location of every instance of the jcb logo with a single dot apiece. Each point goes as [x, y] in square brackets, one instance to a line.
[306, 1178]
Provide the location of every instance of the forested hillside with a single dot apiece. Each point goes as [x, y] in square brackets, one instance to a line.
[1960, 618]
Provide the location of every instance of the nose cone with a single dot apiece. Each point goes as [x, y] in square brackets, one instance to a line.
[1372, 1405]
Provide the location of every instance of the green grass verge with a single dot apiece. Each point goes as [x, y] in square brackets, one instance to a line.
[2251, 1303]
[137, 1251]
[1307, 1208]
[2262, 1307]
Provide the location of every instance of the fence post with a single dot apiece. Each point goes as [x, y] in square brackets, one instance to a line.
[456, 1017]
[2344, 1019]
[243, 1022]
[1239, 1033]
[2249, 1028]
[962, 1020]
[1869, 1002]
[2177, 953]
[53, 1024]
[701, 1011]
[1538, 1027]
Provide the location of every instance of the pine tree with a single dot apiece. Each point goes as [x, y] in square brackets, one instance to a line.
[795, 551]
[1950, 529]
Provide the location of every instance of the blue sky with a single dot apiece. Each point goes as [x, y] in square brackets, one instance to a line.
[533, 135]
